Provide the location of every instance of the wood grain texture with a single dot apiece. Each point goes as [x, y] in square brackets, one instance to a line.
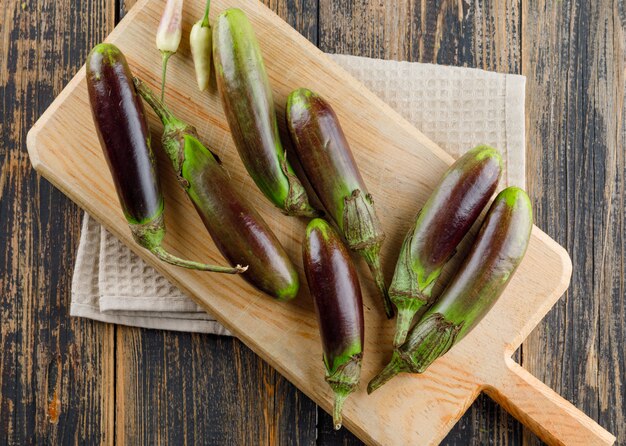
[573, 55]
[418, 409]
[485, 34]
[561, 108]
[56, 373]
[208, 389]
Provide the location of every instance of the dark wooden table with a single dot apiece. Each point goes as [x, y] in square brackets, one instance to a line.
[67, 380]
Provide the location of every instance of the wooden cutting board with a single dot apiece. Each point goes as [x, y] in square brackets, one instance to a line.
[400, 166]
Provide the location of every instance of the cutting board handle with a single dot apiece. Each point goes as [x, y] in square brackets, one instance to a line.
[552, 418]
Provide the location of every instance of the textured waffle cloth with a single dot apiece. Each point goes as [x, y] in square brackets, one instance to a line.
[457, 108]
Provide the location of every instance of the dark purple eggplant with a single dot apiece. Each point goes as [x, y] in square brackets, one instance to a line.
[336, 293]
[237, 229]
[121, 125]
[497, 252]
[328, 163]
[446, 217]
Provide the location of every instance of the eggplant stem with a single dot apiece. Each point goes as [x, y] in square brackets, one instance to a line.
[395, 366]
[340, 398]
[157, 105]
[372, 257]
[162, 254]
[403, 323]
[166, 56]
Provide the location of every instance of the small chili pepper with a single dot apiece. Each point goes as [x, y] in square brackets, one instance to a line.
[237, 229]
[499, 249]
[325, 156]
[121, 125]
[169, 34]
[445, 218]
[336, 293]
[247, 99]
[200, 44]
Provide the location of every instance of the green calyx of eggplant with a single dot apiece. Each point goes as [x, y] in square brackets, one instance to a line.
[343, 381]
[430, 339]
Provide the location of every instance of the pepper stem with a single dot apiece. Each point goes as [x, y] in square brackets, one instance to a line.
[340, 398]
[205, 19]
[166, 56]
[395, 366]
[371, 255]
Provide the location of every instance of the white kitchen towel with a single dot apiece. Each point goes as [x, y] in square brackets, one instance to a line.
[457, 108]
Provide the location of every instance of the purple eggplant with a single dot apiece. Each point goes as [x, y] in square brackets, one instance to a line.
[497, 252]
[328, 163]
[239, 232]
[121, 125]
[336, 293]
[445, 218]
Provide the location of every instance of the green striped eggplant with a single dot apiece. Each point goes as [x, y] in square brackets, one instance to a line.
[247, 100]
[336, 293]
[497, 252]
[237, 229]
[328, 163]
[446, 217]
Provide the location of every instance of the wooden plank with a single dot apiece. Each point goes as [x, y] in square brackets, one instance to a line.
[56, 373]
[477, 34]
[573, 55]
[177, 388]
[437, 398]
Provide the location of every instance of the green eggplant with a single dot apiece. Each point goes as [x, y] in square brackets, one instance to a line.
[497, 252]
[237, 229]
[247, 100]
[446, 217]
[328, 163]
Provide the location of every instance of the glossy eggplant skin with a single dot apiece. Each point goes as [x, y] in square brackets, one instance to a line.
[336, 293]
[248, 103]
[123, 132]
[447, 216]
[239, 232]
[330, 167]
[491, 263]
[499, 249]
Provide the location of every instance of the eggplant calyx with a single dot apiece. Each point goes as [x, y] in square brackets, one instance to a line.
[431, 338]
[343, 381]
[371, 255]
[360, 225]
[297, 201]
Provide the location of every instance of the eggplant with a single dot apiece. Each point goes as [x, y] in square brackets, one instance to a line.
[446, 217]
[247, 100]
[491, 263]
[327, 161]
[237, 229]
[122, 128]
[336, 293]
